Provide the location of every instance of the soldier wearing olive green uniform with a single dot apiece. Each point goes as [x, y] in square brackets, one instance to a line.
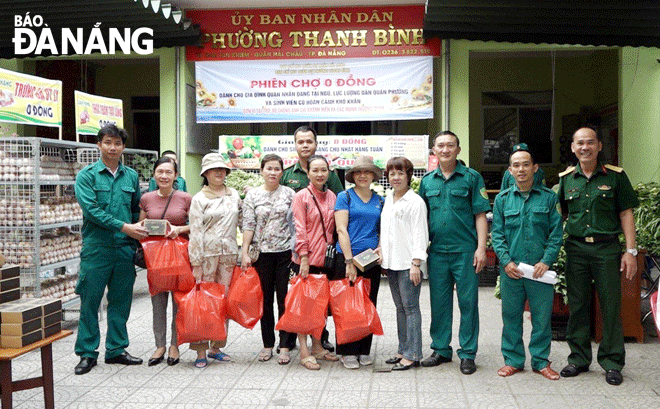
[454, 204]
[527, 228]
[599, 208]
[110, 203]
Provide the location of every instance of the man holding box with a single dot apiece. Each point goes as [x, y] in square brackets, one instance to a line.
[109, 194]
[527, 228]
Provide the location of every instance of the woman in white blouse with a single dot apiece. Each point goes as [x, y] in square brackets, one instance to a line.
[214, 216]
[404, 238]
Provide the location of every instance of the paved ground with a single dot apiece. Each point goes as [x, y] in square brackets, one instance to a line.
[247, 383]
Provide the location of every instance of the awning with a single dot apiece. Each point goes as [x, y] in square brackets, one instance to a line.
[169, 27]
[587, 22]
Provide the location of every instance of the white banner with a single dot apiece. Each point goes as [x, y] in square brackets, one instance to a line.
[352, 89]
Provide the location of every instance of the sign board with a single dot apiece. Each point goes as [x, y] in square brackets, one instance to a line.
[94, 112]
[26, 99]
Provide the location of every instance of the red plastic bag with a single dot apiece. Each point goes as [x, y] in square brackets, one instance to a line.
[245, 300]
[201, 314]
[354, 314]
[168, 264]
[306, 306]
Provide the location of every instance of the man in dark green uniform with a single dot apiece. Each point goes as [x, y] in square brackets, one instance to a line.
[109, 194]
[295, 176]
[527, 228]
[508, 180]
[179, 183]
[598, 200]
[457, 204]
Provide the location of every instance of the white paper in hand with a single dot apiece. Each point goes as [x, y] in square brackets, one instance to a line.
[550, 277]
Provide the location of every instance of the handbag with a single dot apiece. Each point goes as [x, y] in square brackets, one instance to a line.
[138, 256]
[330, 249]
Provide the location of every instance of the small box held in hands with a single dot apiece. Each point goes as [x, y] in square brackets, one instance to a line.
[155, 227]
[365, 260]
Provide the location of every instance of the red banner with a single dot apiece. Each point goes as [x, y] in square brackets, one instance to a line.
[311, 33]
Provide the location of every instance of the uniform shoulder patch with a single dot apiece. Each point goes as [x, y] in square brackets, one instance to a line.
[483, 192]
[614, 168]
[568, 170]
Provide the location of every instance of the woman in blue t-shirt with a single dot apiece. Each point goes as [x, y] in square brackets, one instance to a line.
[357, 217]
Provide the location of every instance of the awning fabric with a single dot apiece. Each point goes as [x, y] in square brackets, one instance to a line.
[169, 27]
[587, 22]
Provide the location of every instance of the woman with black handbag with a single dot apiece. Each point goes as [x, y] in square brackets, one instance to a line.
[172, 205]
[313, 214]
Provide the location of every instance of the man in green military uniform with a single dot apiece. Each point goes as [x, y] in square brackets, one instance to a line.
[457, 204]
[295, 176]
[527, 228]
[598, 200]
[509, 180]
[109, 194]
[179, 183]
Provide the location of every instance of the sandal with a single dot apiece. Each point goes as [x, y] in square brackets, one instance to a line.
[219, 356]
[508, 370]
[310, 363]
[265, 354]
[548, 373]
[326, 355]
[201, 363]
[284, 358]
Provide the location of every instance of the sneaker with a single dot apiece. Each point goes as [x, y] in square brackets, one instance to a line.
[366, 360]
[350, 362]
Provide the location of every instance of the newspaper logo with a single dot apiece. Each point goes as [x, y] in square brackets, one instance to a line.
[33, 36]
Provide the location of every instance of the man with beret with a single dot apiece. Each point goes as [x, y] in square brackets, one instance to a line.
[527, 228]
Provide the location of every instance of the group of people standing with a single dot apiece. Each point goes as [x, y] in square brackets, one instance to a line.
[290, 219]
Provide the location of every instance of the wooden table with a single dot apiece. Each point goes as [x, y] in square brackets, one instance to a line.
[7, 386]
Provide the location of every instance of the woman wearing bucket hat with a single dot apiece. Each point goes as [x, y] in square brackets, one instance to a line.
[268, 225]
[357, 217]
[214, 215]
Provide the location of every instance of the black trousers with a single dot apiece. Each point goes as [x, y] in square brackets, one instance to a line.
[273, 270]
[363, 346]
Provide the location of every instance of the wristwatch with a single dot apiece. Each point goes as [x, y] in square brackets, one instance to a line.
[632, 251]
[348, 260]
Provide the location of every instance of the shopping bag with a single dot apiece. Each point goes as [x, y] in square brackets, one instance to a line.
[306, 306]
[245, 300]
[201, 314]
[168, 264]
[354, 314]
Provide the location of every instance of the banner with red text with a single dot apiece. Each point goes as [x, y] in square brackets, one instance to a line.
[311, 33]
[358, 89]
[94, 112]
[245, 152]
[26, 99]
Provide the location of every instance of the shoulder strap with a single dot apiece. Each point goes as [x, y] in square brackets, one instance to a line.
[167, 205]
[567, 171]
[614, 168]
[320, 214]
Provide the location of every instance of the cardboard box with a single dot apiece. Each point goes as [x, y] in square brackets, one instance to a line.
[10, 284]
[365, 260]
[19, 329]
[51, 319]
[48, 305]
[51, 330]
[19, 312]
[10, 341]
[9, 296]
[156, 227]
[9, 272]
